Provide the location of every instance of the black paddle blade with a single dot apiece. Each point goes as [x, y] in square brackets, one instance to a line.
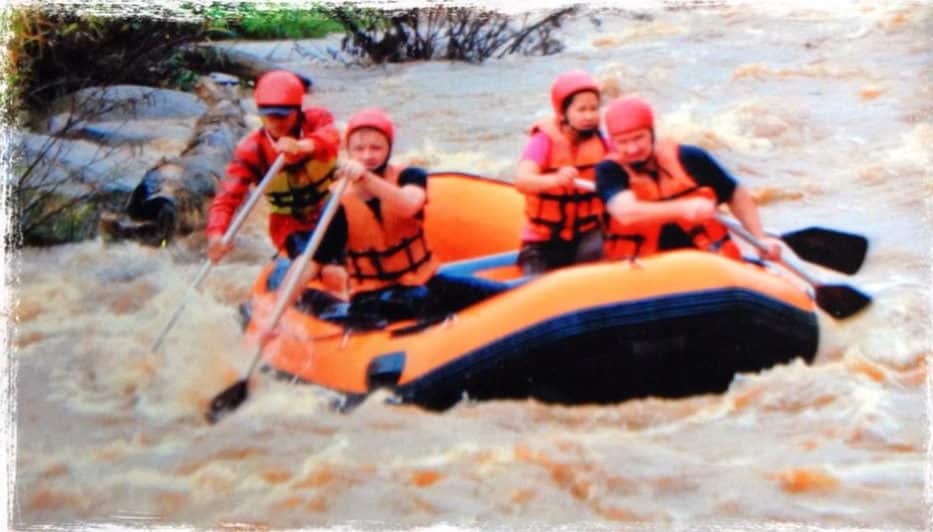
[841, 301]
[228, 400]
[843, 252]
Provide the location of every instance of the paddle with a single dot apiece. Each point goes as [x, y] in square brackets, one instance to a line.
[836, 250]
[838, 300]
[226, 239]
[233, 396]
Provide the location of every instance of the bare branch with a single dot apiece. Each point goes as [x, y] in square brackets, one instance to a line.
[453, 33]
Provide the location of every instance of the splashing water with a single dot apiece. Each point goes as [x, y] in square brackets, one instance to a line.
[825, 114]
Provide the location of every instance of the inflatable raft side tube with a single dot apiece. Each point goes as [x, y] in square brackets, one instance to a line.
[461, 207]
[621, 351]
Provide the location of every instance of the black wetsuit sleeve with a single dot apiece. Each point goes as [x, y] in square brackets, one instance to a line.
[333, 246]
[610, 180]
[707, 172]
[413, 176]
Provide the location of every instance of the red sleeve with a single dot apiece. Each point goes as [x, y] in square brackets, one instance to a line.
[319, 127]
[242, 171]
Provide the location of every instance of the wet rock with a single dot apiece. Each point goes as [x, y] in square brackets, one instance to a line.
[132, 133]
[122, 103]
[174, 193]
[92, 167]
[75, 166]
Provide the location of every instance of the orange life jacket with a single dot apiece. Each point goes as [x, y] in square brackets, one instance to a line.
[384, 252]
[640, 240]
[565, 212]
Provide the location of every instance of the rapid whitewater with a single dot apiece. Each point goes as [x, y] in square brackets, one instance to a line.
[826, 114]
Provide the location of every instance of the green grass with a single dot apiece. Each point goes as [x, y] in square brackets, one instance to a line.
[248, 21]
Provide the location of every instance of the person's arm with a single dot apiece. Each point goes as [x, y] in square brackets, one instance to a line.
[407, 199]
[240, 173]
[743, 207]
[319, 138]
[295, 149]
[529, 178]
[708, 172]
[320, 130]
[624, 207]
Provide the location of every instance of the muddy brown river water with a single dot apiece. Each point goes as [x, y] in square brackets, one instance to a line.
[826, 113]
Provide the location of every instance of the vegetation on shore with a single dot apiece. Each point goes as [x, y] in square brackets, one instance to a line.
[116, 47]
[249, 21]
[53, 51]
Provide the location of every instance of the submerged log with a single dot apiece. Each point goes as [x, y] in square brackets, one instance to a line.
[174, 194]
[244, 65]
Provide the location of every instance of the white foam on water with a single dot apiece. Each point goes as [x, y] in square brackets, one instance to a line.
[825, 104]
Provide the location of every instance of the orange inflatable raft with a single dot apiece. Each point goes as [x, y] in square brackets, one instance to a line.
[679, 323]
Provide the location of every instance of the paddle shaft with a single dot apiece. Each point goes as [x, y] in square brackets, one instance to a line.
[285, 294]
[736, 228]
[747, 235]
[231, 232]
[851, 248]
[740, 230]
[589, 186]
[838, 300]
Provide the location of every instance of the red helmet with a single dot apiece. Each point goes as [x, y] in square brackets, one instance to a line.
[373, 118]
[279, 88]
[628, 114]
[568, 84]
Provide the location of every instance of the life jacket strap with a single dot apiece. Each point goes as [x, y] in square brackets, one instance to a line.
[375, 258]
[579, 224]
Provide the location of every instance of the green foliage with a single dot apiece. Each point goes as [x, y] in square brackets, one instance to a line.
[56, 52]
[182, 77]
[249, 21]
[46, 218]
[287, 24]
[53, 53]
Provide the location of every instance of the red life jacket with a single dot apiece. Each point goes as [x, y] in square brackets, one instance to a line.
[385, 252]
[641, 240]
[563, 213]
[296, 194]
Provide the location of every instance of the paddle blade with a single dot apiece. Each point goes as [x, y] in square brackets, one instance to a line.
[841, 301]
[843, 252]
[228, 400]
